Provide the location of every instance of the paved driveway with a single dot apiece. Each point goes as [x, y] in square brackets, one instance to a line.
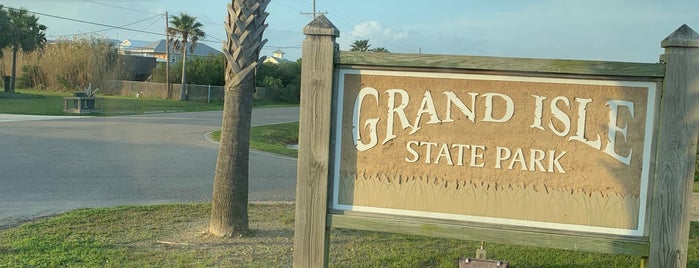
[52, 165]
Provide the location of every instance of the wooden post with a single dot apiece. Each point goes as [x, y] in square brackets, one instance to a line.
[311, 231]
[677, 137]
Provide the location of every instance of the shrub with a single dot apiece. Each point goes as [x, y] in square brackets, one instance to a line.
[66, 65]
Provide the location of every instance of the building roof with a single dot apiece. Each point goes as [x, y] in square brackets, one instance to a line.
[275, 60]
[133, 45]
[158, 47]
[277, 57]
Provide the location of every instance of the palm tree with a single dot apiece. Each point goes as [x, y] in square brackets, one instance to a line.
[25, 34]
[185, 29]
[245, 26]
[360, 45]
[380, 49]
[4, 24]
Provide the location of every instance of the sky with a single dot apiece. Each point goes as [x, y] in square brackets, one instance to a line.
[610, 30]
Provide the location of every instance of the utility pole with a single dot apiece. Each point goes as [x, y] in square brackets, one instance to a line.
[167, 54]
[314, 13]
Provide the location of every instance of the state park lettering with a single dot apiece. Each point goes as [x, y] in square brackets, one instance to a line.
[567, 119]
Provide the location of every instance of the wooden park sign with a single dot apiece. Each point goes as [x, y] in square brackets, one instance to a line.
[556, 153]
[584, 155]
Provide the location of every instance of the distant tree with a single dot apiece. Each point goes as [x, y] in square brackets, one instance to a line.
[4, 24]
[286, 71]
[185, 29]
[24, 33]
[208, 70]
[200, 71]
[360, 45]
[281, 81]
[271, 82]
[380, 50]
[158, 74]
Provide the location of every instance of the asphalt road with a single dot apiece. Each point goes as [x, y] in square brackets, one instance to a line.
[50, 165]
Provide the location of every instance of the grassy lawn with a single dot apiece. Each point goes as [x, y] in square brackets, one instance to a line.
[174, 236]
[51, 103]
[271, 138]
[32, 102]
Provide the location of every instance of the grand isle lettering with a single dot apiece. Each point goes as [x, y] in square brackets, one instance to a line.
[567, 120]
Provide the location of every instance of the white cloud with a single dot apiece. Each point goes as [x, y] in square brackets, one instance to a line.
[374, 30]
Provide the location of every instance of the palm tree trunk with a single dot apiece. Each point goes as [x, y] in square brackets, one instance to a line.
[15, 50]
[229, 211]
[183, 92]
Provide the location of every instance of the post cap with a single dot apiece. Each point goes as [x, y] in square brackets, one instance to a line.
[321, 26]
[682, 37]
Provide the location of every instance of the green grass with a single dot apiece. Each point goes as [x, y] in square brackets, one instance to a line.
[41, 102]
[271, 104]
[271, 138]
[32, 102]
[174, 236]
[37, 102]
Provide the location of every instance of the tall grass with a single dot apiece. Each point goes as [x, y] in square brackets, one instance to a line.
[65, 65]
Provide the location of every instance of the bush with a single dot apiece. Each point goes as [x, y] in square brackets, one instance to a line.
[31, 77]
[67, 65]
[282, 82]
[200, 71]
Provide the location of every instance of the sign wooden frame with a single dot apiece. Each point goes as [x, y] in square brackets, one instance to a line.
[662, 241]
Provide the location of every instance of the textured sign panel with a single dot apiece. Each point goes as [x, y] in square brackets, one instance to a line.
[543, 152]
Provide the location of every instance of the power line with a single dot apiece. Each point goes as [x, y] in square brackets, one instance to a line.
[120, 7]
[284, 5]
[302, 3]
[153, 22]
[111, 27]
[211, 22]
[216, 38]
[136, 10]
[294, 46]
[283, 31]
[349, 21]
[106, 29]
[102, 24]
[89, 22]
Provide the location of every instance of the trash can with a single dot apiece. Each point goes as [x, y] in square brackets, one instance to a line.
[7, 80]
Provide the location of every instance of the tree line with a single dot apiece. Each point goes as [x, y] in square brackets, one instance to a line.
[279, 83]
[364, 46]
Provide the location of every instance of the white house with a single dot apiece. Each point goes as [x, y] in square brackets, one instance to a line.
[277, 57]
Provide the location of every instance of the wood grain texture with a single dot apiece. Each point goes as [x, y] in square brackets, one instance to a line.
[498, 64]
[311, 232]
[675, 160]
[694, 207]
[495, 234]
